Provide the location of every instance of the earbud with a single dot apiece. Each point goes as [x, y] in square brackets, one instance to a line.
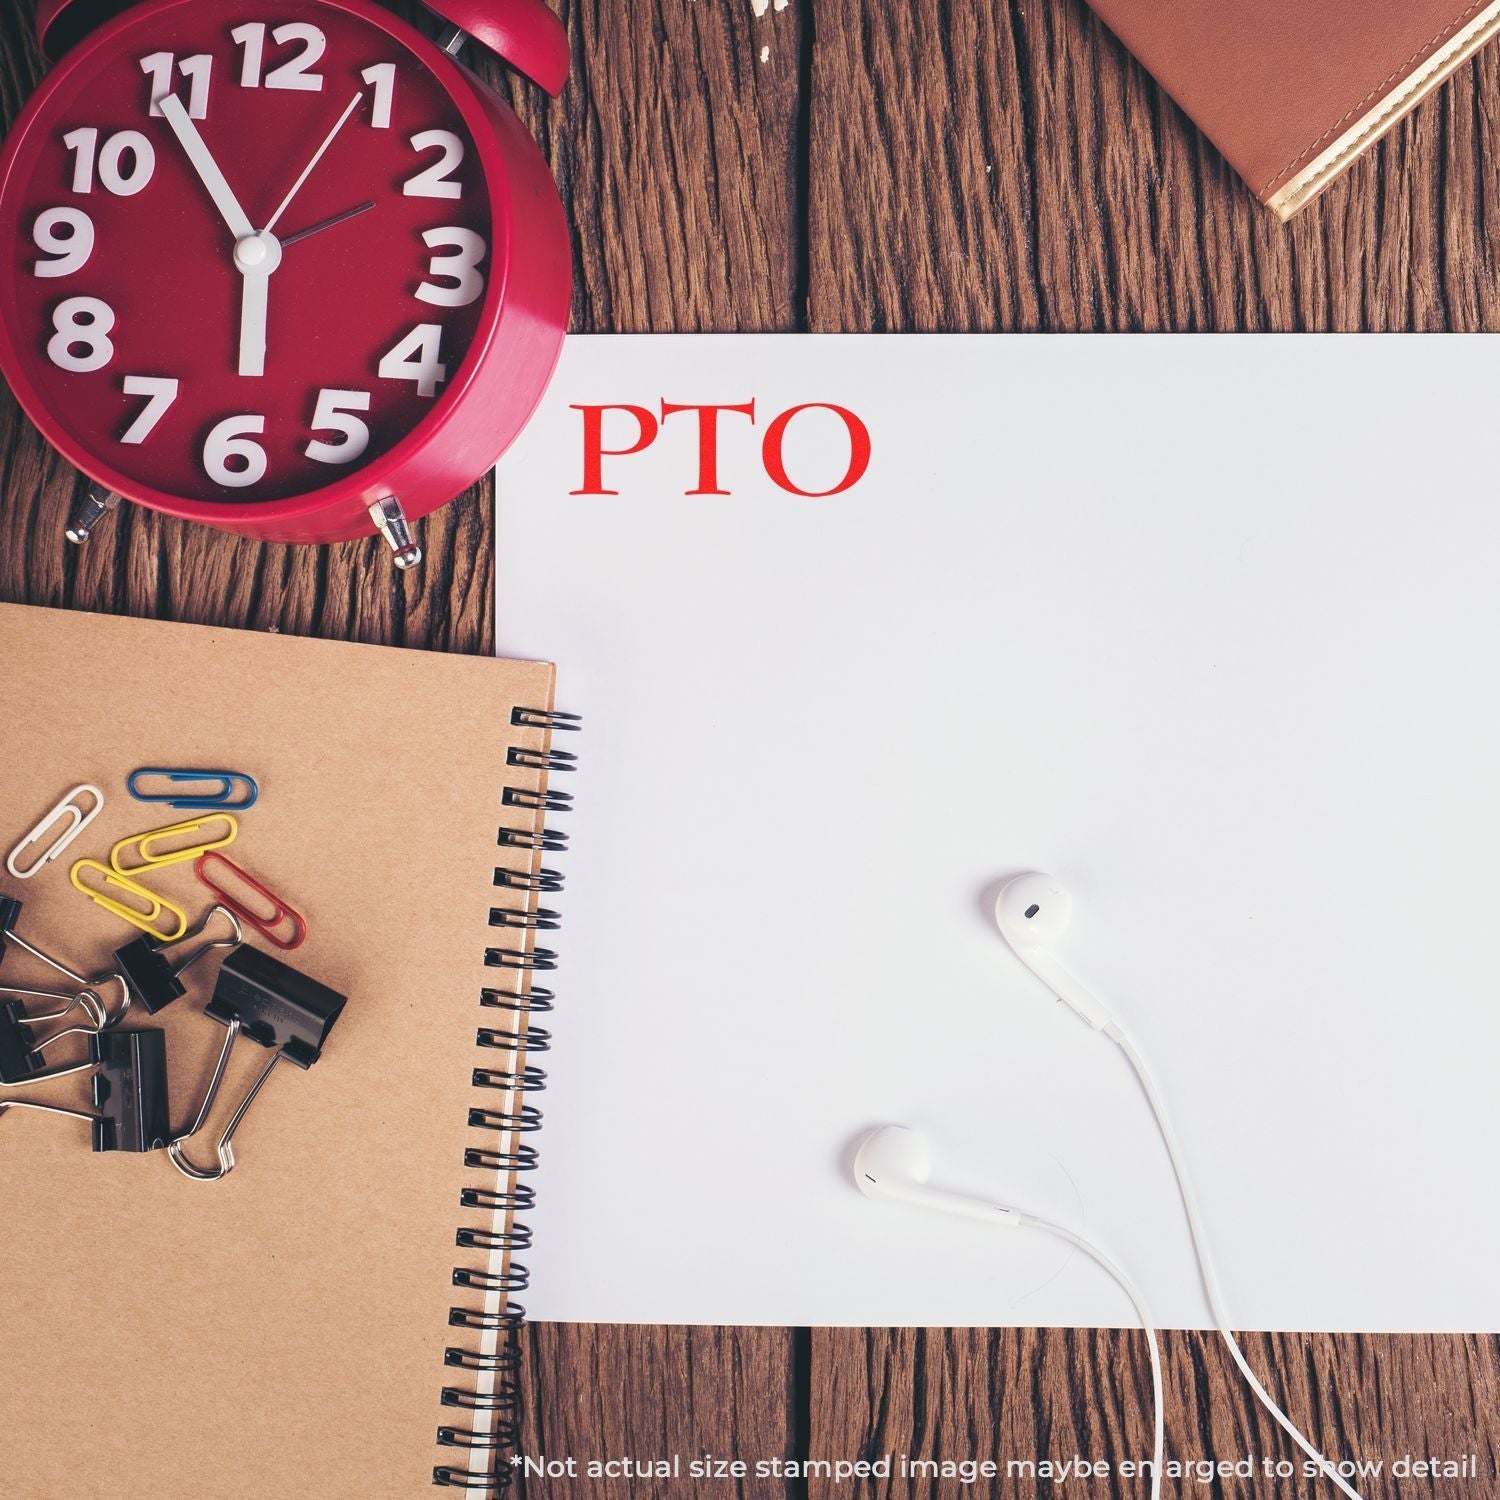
[894, 1163]
[1033, 912]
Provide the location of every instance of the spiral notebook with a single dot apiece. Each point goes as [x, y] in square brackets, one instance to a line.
[337, 1316]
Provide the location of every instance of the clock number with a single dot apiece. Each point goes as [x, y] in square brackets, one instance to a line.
[82, 323]
[198, 70]
[436, 181]
[382, 78]
[335, 414]
[71, 250]
[418, 358]
[160, 393]
[158, 67]
[111, 161]
[296, 72]
[462, 267]
[252, 40]
[84, 144]
[230, 440]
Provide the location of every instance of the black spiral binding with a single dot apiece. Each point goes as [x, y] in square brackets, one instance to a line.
[492, 1430]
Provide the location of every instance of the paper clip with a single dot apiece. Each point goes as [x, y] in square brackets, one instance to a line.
[130, 1091]
[145, 919]
[221, 800]
[77, 821]
[144, 844]
[269, 924]
[155, 980]
[273, 1004]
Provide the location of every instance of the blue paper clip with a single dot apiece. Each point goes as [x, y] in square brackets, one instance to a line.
[222, 799]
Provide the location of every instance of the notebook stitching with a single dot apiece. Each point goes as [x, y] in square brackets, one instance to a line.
[1384, 83]
[1365, 136]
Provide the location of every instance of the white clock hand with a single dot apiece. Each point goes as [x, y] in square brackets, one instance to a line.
[256, 258]
[322, 151]
[176, 115]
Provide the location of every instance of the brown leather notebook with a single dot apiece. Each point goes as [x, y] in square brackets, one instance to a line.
[331, 1318]
[1293, 91]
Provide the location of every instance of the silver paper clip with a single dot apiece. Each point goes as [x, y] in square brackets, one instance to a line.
[77, 820]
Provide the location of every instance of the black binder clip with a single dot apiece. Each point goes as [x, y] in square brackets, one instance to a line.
[152, 978]
[273, 1004]
[20, 1053]
[130, 1091]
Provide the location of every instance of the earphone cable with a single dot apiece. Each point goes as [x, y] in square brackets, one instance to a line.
[1031, 1221]
[1205, 1267]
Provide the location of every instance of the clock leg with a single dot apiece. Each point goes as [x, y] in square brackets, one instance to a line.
[97, 502]
[390, 520]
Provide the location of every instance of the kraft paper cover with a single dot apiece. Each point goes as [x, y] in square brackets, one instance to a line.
[280, 1332]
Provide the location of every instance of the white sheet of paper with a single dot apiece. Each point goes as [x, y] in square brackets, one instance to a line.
[1209, 628]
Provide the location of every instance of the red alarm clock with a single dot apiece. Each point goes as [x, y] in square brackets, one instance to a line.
[284, 267]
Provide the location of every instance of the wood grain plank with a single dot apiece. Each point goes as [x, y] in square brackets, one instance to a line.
[607, 1391]
[1031, 1393]
[1010, 167]
[676, 149]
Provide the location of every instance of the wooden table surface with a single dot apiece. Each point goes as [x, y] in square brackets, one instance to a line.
[985, 166]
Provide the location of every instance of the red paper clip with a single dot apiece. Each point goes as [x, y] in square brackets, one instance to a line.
[268, 925]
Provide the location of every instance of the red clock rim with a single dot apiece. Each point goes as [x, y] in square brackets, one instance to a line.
[368, 482]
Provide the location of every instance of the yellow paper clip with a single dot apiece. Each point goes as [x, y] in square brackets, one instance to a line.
[144, 844]
[146, 919]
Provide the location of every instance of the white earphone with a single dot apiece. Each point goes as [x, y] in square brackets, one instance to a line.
[894, 1163]
[1032, 912]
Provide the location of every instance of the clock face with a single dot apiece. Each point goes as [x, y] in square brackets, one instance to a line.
[247, 247]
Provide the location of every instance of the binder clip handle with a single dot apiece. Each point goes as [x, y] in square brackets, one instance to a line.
[224, 1151]
[45, 1109]
[10, 914]
[21, 1055]
[20, 1052]
[274, 1005]
[235, 937]
[88, 1000]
